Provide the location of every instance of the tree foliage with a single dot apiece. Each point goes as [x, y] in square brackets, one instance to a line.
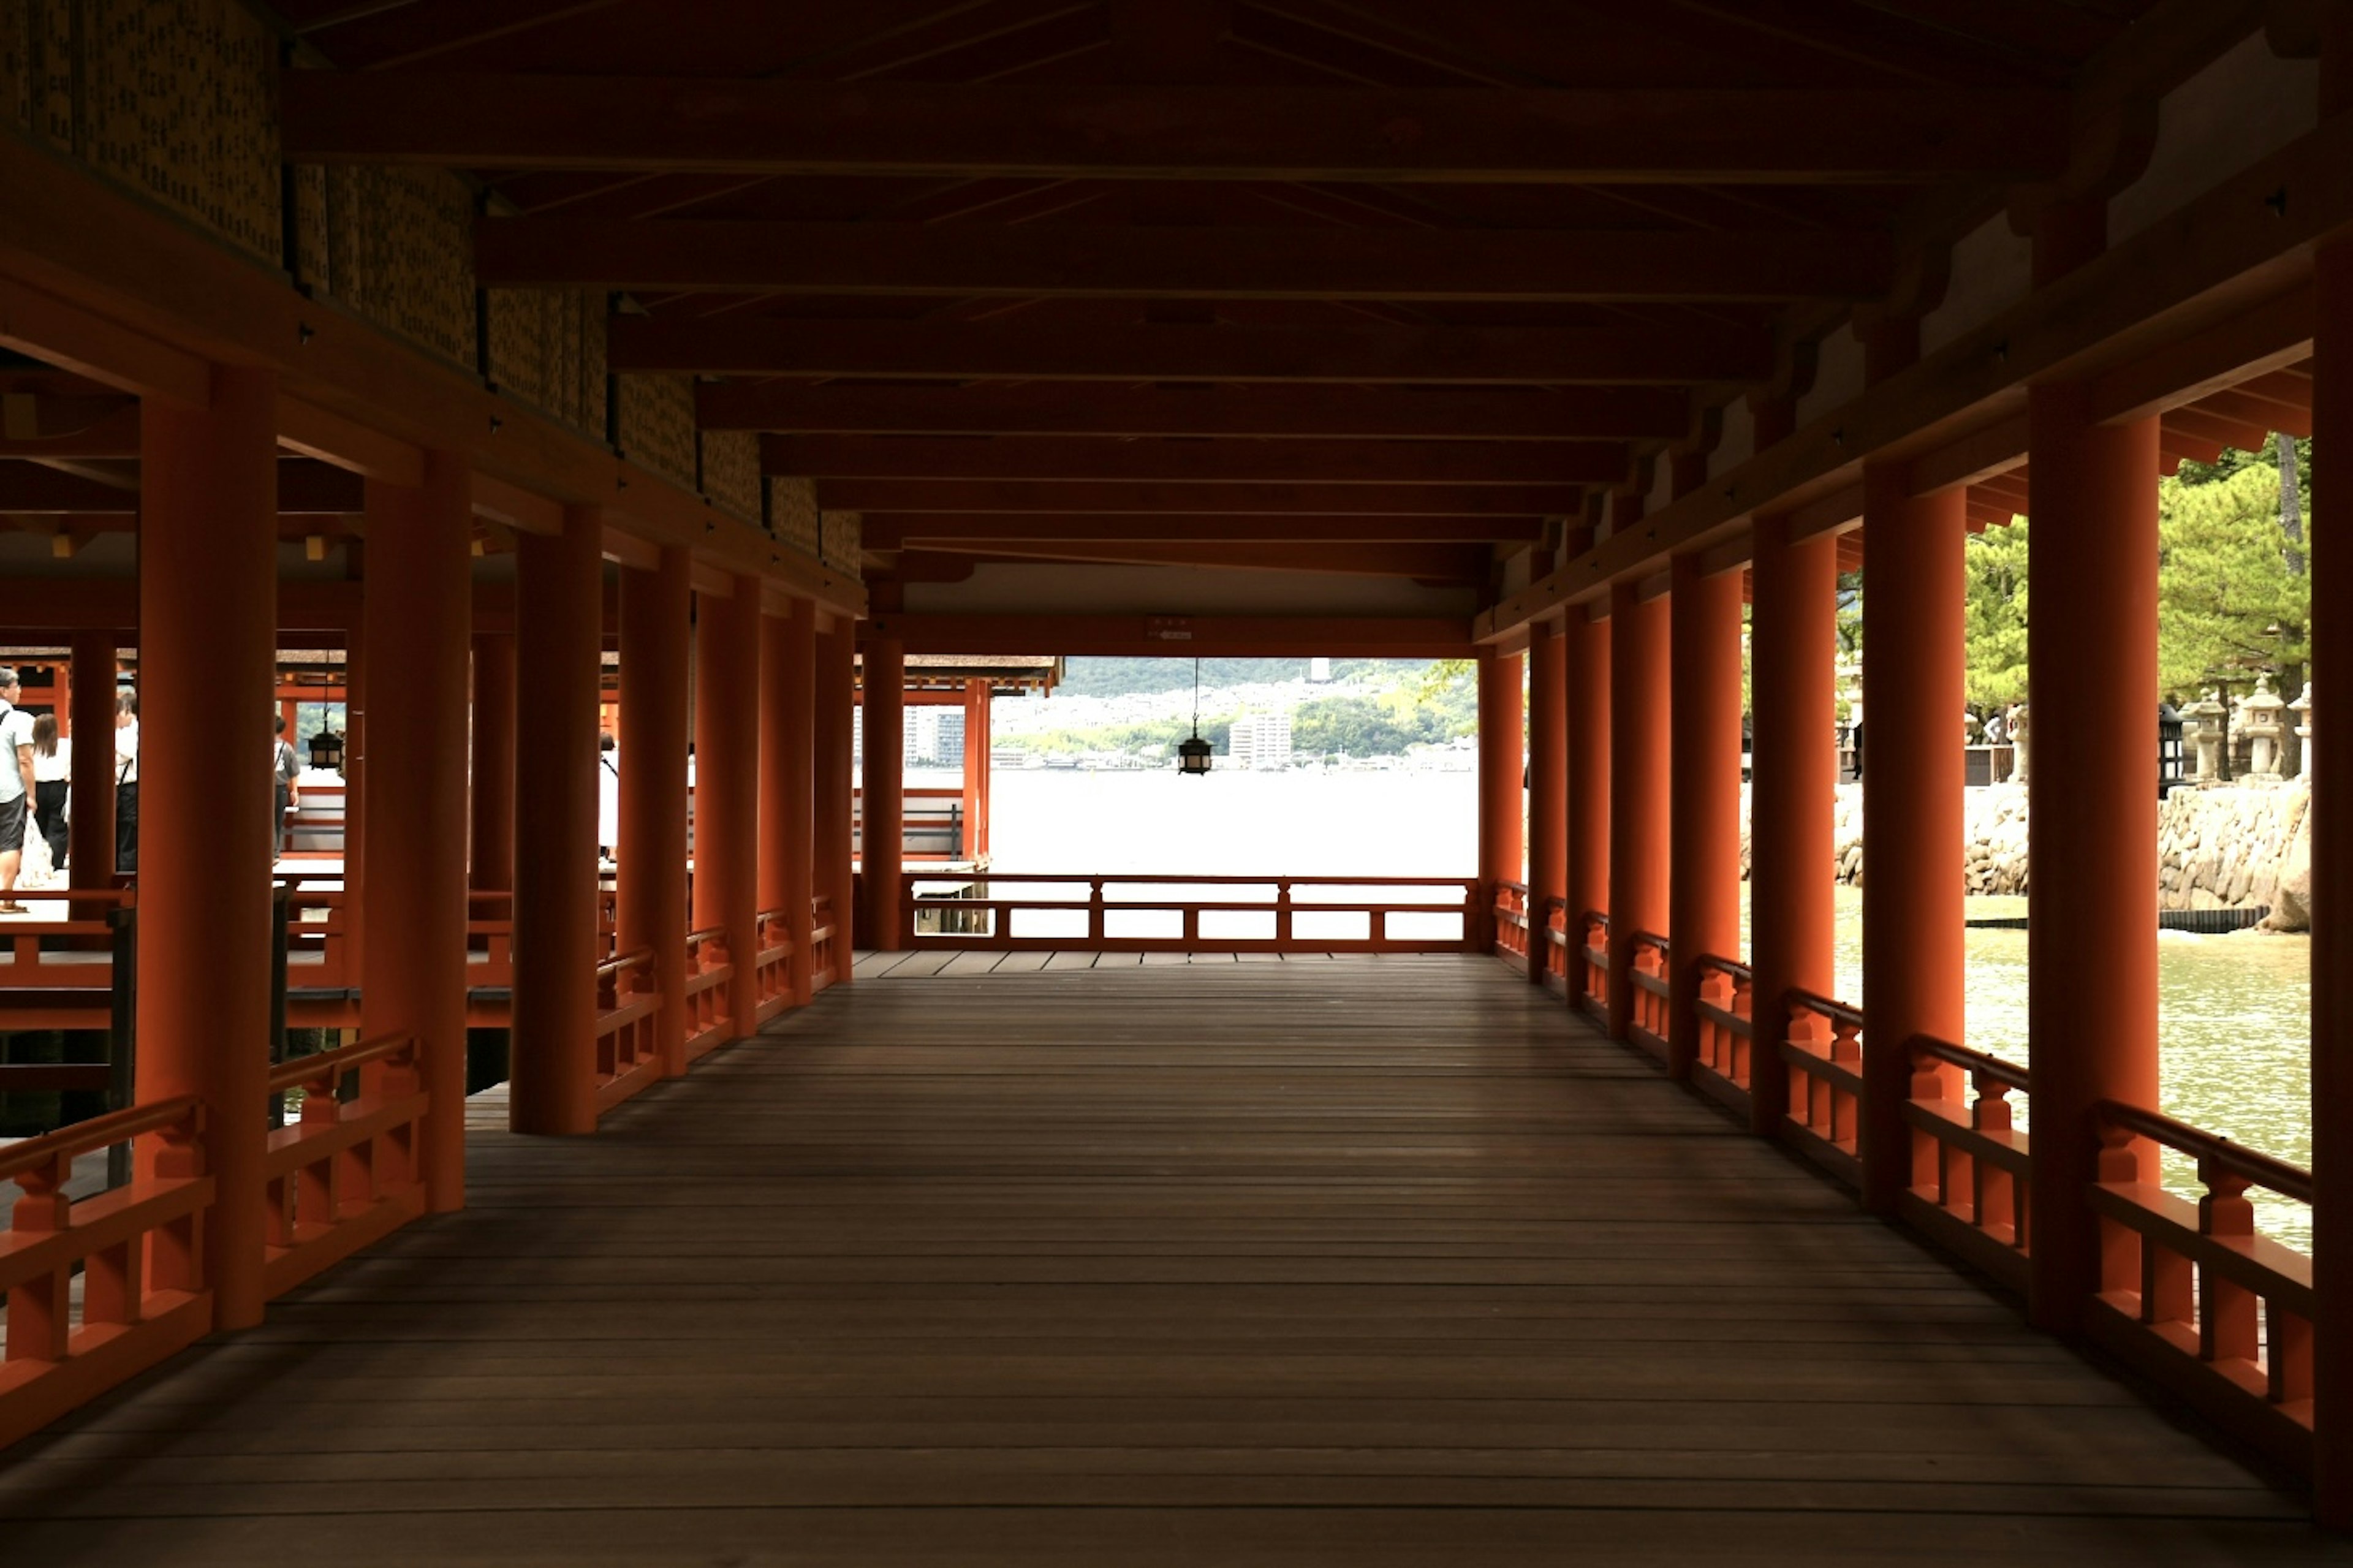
[2230, 606]
[1994, 618]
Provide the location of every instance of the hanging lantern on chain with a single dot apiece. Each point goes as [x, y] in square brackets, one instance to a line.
[1193, 755]
[326, 746]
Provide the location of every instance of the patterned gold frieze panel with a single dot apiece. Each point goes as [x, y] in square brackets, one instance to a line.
[840, 539]
[792, 514]
[16, 64]
[731, 471]
[547, 348]
[400, 251]
[657, 424]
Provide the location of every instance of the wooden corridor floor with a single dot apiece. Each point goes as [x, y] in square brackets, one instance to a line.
[1362, 1262]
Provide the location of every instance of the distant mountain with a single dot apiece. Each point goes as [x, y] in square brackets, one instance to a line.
[1146, 677]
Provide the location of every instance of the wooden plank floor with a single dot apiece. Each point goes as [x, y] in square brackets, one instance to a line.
[1372, 1262]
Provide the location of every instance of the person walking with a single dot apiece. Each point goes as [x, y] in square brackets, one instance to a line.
[126, 782]
[52, 776]
[16, 787]
[285, 775]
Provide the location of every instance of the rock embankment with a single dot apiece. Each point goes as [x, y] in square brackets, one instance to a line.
[2217, 848]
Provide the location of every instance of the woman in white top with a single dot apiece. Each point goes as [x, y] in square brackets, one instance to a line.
[52, 768]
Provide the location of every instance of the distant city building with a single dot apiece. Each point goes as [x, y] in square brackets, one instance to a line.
[1319, 670]
[931, 737]
[1260, 741]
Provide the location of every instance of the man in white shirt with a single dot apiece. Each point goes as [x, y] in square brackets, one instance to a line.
[16, 787]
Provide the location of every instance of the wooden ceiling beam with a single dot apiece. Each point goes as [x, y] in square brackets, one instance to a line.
[1179, 637]
[1158, 131]
[1423, 563]
[897, 531]
[1025, 351]
[1195, 461]
[873, 497]
[1079, 409]
[1046, 260]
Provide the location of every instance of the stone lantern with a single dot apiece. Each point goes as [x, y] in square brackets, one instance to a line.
[2021, 734]
[2209, 715]
[2266, 729]
[2301, 708]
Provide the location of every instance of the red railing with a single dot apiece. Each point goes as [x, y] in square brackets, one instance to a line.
[1824, 1053]
[346, 1174]
[1552, 942]
[139, 1249]
[1726, 1008]
[55, 973]
[2191, 1294]
[825, 940]
[940, 835]
[1593, 928]
[1650, 998]
[1970, 1170]
[1236, 914]
[771, 967]
[1512, 937]
[709, 993]
[628, 1058]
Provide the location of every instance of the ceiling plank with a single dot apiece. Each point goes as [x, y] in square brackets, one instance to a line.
[1017, 350]
[875, 496]
[898, 531]
[1041, 261]
[1197, 461]
[1446, 135]
[1050, 409]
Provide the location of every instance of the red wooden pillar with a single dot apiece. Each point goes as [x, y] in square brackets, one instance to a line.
[207, 666]
[727, 782]
[883, 843]
[491, 867]
[559, 642]
[1639, 751]
[1704, 723]
[976, 765]
[2331, 671]
[2092, 834]
[987, 766]
[1547, 786]
[90, 849]
[657, 616]
[1502, 751]
[1792, 796]
[788, 781]
[1914, 963]
[835, 695]
[1584, 689]
[413, 973]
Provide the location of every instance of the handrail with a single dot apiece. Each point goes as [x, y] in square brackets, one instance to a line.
[301, 1070]
[1734, 967]
[1188, 879]
[2266, 1171]
[636, 958]
[1595, 919]
[695, 939]
[2009, 1073]
[97, 1132]
[1835, 1011]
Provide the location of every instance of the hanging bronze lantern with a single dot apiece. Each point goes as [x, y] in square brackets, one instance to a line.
[1193, 755]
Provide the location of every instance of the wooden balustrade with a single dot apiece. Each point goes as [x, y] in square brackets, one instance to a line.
[628, 1058]
[138, 1249]
[772, 966]
[1725, 1007]
[708, 993]
[1652, 996]
[1255, 914]
[1594, 935]
[2191, 1294]
[1824, 1053]
[346, 1173]
[1511, 917]
[1551, 942]
[1970, 1169]
[825, 939]
[56, 973]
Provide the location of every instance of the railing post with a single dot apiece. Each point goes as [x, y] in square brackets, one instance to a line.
[1095, 912]
[1283, 914]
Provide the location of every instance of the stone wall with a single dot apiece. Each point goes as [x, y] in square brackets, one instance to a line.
[2217, 848]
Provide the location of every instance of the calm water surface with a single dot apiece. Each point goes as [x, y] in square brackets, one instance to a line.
[2234, 1011]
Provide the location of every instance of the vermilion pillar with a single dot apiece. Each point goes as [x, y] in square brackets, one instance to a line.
[657, 615]
[1704, 723]
[1639, 751]
[91, 706]
[1547, 786]
[559, 639]
[836, 691]
[1502, 763]
[2092, 829]
[2331, 670]
[727, 781]
[883, 843]
[788, 781]
[987, 729]
[1584, 689]
[1792, 796]
[976, 765]
[1914, 963]
[491, 866]
[207, 662]
[413, 967]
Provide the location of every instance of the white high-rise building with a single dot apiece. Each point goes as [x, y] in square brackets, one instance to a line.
[1260, 741]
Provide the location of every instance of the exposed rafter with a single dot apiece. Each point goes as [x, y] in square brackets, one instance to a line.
[878, 496]
[1197, 461]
